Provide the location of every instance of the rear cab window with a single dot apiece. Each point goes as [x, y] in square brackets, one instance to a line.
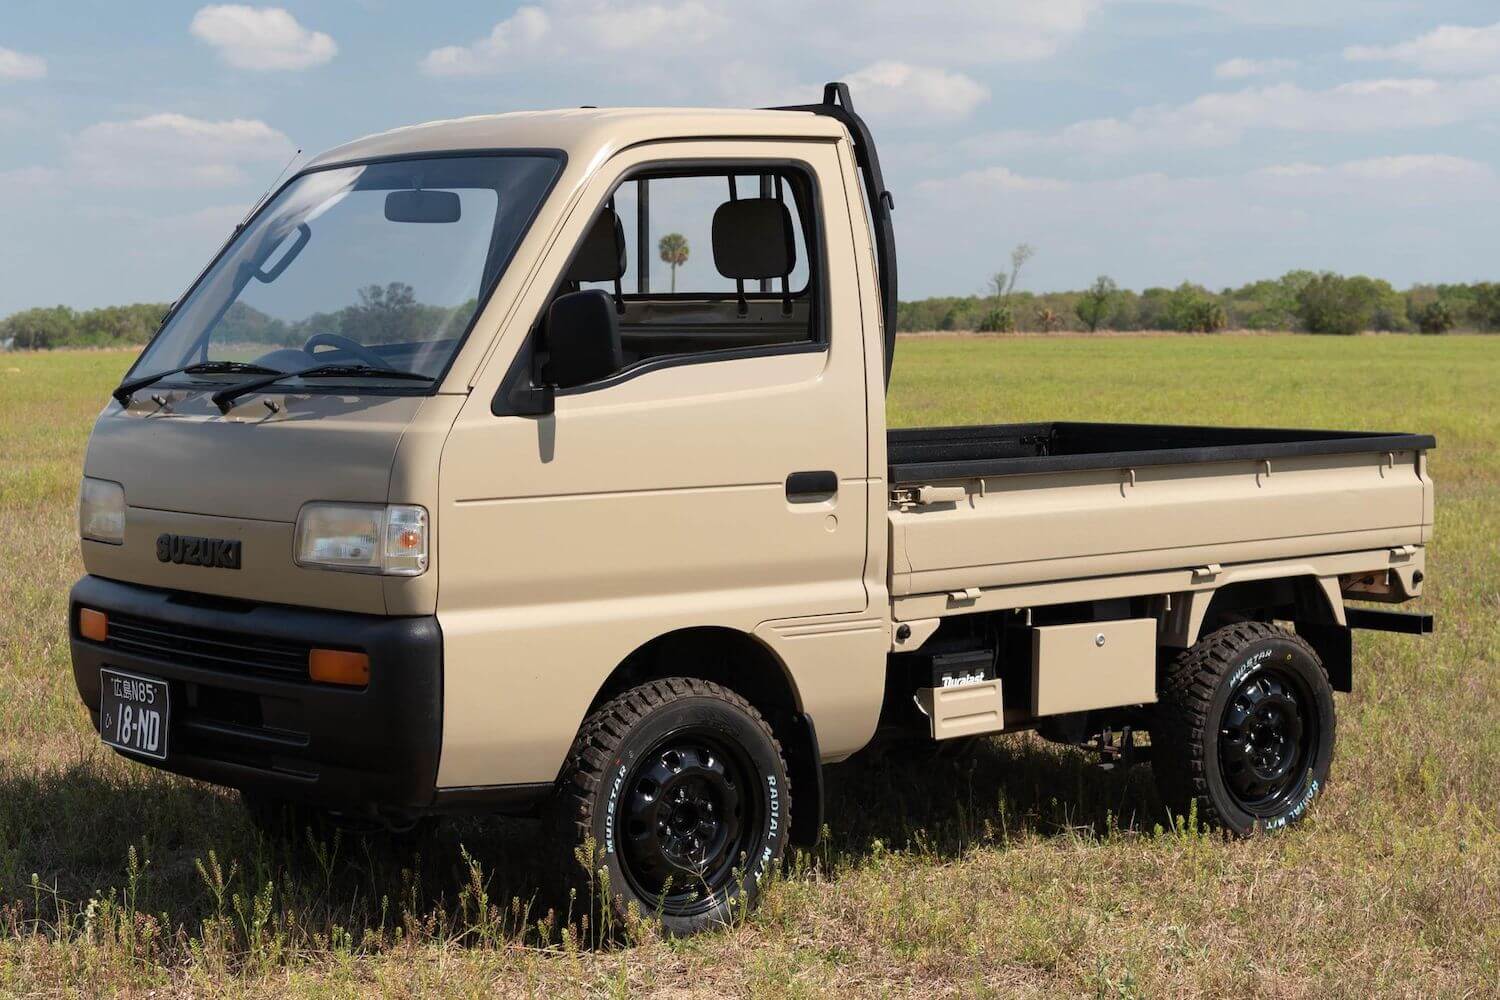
[700, 264]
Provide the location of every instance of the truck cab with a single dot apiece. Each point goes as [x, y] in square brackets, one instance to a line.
[539, 462]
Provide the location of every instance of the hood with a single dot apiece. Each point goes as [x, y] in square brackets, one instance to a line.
[252, 463]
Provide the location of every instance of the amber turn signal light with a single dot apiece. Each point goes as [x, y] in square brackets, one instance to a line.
[93, 625]
[338, 666]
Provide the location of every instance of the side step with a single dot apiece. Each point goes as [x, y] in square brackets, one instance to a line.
[963, 709]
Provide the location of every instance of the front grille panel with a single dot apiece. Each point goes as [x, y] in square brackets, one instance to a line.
[210, 649]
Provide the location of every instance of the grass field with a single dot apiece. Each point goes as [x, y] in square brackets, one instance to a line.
[1019, 870]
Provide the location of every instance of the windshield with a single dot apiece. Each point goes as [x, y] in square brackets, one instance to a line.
[381, 265]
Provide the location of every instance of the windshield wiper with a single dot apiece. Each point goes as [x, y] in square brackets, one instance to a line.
[128, 388]
[224, 398]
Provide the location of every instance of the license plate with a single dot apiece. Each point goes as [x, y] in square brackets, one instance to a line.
[133, 713]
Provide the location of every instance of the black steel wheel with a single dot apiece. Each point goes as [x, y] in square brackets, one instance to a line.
[680, 787]
[1266, 737]
[1244, 729]
[689, 819]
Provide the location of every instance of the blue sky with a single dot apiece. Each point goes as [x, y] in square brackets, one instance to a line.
[1212, 140]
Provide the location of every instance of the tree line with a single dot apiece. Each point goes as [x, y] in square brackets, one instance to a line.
[1305, 301]
[380, 314]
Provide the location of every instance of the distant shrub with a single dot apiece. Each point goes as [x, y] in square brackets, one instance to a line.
[40, 329]
[1193, 309]
[59, 326]
[1331, 303]
[1000, 319]
[1485, 312]
[1096, 303]
[1436, 317]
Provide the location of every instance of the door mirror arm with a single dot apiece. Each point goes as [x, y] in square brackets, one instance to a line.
[534, 400]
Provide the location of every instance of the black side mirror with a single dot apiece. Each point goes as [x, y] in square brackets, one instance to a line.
[583, 339]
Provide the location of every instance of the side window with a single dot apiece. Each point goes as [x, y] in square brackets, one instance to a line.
[684, 267]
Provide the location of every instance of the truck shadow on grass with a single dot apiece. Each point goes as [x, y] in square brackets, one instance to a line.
[990, 791]
[184, 854]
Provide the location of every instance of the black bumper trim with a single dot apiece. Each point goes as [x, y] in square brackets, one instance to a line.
[369, 751]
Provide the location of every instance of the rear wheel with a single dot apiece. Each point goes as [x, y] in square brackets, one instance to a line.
[1244, 729]
[680, 788]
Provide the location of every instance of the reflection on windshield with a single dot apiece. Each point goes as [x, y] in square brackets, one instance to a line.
[381, 265]
[380, 314]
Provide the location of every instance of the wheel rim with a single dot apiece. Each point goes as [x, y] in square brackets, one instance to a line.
[1266, 741]
[689, 816]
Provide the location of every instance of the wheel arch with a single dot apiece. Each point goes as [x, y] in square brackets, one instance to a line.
[1314, 603]
[1300, 597]
[748, 666]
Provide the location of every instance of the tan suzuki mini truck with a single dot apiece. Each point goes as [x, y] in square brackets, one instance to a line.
[538, 462]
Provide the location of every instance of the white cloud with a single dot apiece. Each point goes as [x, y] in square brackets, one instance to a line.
[1240, 68]
[527, 26]
[619, 29]
[943, 32]
[21, 66]
[994, 179]
[1281, 13]
[899, 89]
[577, 29]
[261, 38]
[1222, 118]
[172, 150]
[1403, 168]
[1450, 48]
[706, 36]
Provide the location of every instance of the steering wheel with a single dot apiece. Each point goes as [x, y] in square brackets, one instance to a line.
[343, 343]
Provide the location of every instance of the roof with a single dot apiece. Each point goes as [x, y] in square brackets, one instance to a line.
[581, 132]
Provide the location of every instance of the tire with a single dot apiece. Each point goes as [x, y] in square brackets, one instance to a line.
[1244, 729]
[681, 789]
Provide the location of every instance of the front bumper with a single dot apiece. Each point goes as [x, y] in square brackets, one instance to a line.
[244, 715]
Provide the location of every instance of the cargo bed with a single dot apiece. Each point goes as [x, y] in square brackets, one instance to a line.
[1016, 504]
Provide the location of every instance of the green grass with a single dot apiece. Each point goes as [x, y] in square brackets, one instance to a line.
[1018, 870]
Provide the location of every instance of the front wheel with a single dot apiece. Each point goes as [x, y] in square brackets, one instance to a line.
[680, 789]
[1244, 729]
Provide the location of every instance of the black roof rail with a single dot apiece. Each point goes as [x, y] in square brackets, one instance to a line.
[836, 105]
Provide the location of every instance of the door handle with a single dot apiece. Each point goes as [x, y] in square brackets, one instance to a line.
[810, 487]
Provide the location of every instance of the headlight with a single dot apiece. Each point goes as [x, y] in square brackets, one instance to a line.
[101, 511]
[363, 538]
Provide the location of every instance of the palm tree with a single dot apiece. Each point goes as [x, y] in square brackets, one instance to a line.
[674, 252]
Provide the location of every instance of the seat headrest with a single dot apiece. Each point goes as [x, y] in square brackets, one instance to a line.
[753, 239]
[602, 255]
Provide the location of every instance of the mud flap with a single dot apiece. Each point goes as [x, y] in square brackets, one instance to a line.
[1334, 645]
[805, 767]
